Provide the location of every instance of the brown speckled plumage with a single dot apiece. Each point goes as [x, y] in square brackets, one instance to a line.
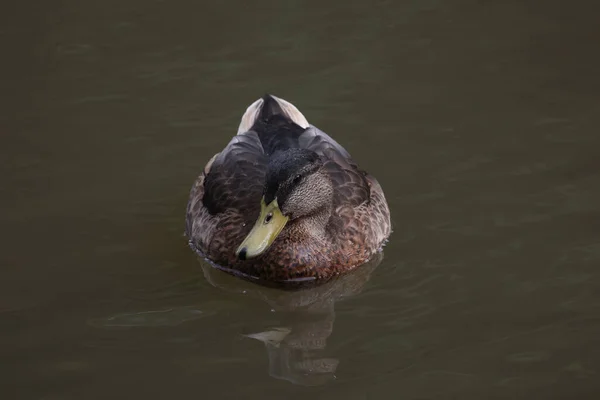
[225, 200]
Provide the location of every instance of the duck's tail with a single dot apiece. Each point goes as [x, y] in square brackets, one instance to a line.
[267, 107]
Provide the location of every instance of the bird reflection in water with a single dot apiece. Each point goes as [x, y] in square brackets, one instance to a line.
[297, 348]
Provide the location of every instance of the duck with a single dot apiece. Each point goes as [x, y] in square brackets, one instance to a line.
[284, 202]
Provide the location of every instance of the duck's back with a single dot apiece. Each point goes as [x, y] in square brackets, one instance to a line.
[280, 126]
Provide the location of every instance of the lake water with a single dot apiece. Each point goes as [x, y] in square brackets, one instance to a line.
[481, 120]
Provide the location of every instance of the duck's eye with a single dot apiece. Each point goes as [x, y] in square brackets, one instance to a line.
[297, 179]
[268, 218]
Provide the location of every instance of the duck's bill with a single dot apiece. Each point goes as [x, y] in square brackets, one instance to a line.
[269, 224]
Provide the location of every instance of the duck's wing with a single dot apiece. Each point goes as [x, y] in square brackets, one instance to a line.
[350, 183]
[236, 177]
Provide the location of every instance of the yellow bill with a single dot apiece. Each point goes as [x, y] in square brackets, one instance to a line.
[269, 224]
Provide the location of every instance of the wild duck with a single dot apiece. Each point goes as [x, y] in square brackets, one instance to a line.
[283, 201]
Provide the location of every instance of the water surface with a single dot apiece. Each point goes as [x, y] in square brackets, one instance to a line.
[480, 119]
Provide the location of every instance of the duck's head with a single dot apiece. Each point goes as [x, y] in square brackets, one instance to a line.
[296, 187]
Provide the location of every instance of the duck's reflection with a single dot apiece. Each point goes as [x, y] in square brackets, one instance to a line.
[297, 348]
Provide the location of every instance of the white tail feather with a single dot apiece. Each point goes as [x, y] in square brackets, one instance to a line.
[250, 116]
[253, 111]
[292, 112]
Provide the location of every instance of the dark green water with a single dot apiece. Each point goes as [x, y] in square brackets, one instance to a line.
[480, 119]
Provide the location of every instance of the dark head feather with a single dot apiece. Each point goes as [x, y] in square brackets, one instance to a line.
[285, 171]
